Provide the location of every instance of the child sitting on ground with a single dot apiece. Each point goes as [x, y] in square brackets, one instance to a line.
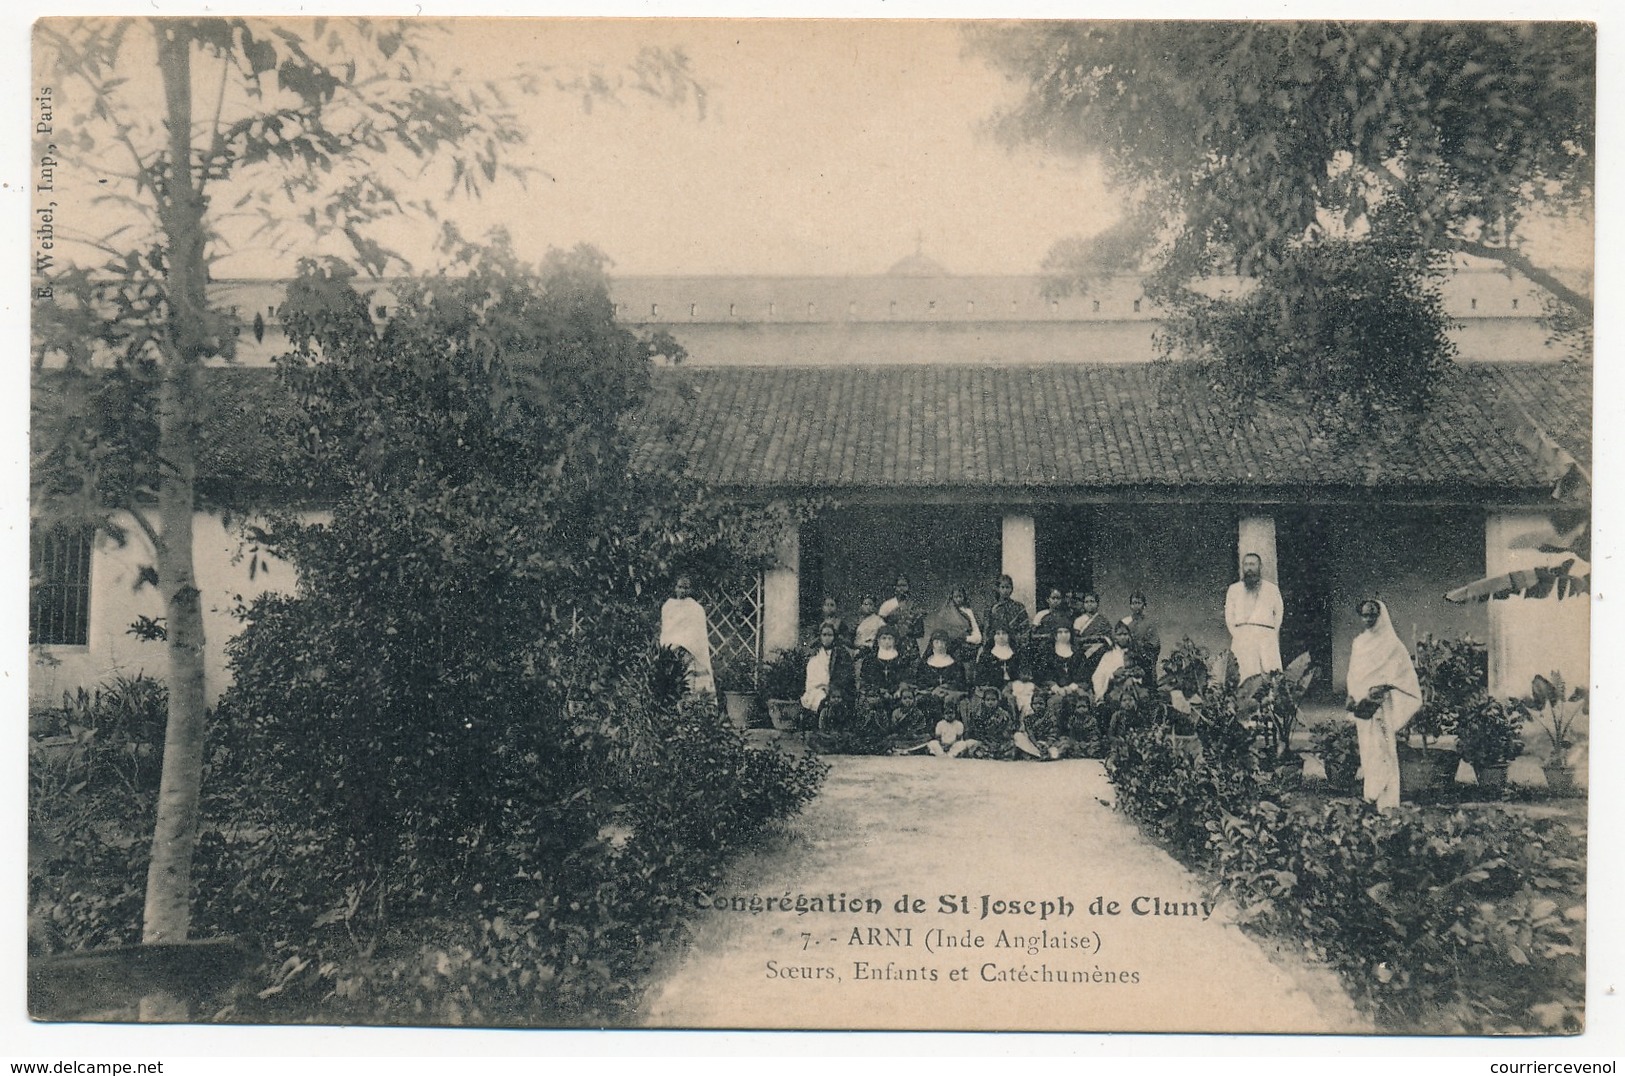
[950, 741]
[909, 719]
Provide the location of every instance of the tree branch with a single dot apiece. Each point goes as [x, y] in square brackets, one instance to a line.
[1514, 259]
[144, 523]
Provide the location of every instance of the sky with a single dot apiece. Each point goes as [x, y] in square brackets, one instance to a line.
[830, 147]
[823, 147]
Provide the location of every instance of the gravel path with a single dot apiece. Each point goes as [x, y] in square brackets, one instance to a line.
[947, 834]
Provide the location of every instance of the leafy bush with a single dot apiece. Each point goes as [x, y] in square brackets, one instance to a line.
[461, 716]
[1337, 743]
[783, 675]
[1489, 734]
[1470, 922]
[1176, 794]
[1187, 668]
[1460, 922]
[543, 909]
[1273, 699]
[91, 798]
[736, 672]
[1556, 710]
[1455, 676]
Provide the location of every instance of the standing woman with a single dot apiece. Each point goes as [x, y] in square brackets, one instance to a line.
[1384, 695]
[682, 627]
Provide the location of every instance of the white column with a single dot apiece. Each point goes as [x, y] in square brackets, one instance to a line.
[1020, 557]
[1256, 534]
[781, 596]
[1531, 635]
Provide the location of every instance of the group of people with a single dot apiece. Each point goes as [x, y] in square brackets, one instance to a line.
[1034, 679]
[958, 677]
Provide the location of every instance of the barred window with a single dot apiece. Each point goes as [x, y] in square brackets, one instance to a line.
[59, 586]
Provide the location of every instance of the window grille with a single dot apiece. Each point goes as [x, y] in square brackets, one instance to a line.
[59, 587]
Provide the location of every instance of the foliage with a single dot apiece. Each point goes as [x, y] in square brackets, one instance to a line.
[737, 673]
[1328, 169]
[1273, 700]
[1337, 745]
[1469, 922]
[1461, 922]
[1354, 328]
[304, 125]
[535, 893]
[1234, 141]
[1569, 545]
[1555, 709]
[1176, 794]
[461, 716]
[783, 675]
[1489, 734]
[1187, 669]
[1454, 675]
[92, 774]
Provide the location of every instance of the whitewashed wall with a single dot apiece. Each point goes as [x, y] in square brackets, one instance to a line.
[222, 563]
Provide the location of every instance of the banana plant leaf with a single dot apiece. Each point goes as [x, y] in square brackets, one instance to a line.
[1538, 582]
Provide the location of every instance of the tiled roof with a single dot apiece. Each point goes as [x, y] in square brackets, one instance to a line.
[1555, 398]
[1092, 426]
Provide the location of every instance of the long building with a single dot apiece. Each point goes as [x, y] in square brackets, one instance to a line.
[965, 427]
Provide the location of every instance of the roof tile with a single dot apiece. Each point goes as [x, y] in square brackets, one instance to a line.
[1094, 425]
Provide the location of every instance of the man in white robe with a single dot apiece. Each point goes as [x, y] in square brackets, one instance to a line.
[683, 627]
[1253, 612]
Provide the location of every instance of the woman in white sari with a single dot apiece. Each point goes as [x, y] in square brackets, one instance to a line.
[1383, 696]
[682, 626]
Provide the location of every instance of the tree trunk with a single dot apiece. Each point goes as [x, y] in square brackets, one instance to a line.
[167, 913]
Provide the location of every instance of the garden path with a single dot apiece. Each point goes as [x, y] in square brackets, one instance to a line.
[929, 828]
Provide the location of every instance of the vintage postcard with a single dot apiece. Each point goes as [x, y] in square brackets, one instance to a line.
[721, 524]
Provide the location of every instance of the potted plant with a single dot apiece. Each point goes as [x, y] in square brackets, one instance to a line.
[1185, 678]
[1556, 709]
[1337, 745]
[1489, 736]
[1424, 766]
[782, 677]
[1454, 675]
[1270, 702]
[736, 680]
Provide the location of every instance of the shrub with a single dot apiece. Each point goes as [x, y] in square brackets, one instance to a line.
[1556, 709]
[91, 798]
[1337, 743]
[1468, 922]
[541, 909]
[1447, 923]
[1489, 734]
[1454, 675]
[1178, 795]
[461, 715]
[737, 673]
[783, 675]
[1187, 668]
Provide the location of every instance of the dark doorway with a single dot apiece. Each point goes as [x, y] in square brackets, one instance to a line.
[1062, 545]
[1303, 558]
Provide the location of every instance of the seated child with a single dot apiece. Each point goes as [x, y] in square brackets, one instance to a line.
[909, 719]
[950, 741]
